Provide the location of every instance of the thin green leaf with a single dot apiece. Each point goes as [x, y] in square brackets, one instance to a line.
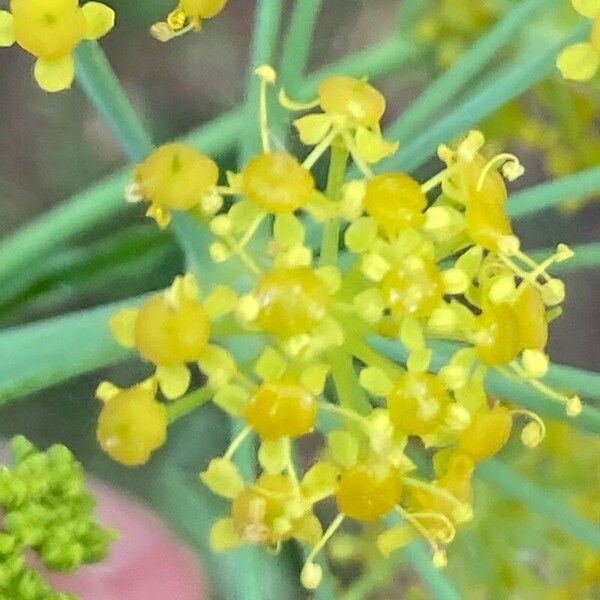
[98, 203]
[503, 89]
[440, 586]
[101, 85]
[409, 13]
[546, 195]
[540, 501]
[42, 354]
[372, 580]
[446, 87]
[127, 254]
[298, 43]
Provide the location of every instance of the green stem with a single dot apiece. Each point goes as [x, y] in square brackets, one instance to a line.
[101, 85]
[439, 585]
[546, 195]
[349, 393]
[188, 403]
[540, 501]
[335, 180]
[266, 33]
[409, 13]
[446, 87]
[373, 579]
[298, 43]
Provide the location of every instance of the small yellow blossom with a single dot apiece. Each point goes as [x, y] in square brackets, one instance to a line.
[51, 30]
[581, 61]
[132, 423]
[174, 177]
[170, 329]
[188, 15]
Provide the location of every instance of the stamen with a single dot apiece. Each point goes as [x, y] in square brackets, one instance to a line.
[438, 179]
[319, 150]
[535, 431]
[290, 104]
[289, 465]
[237, 247]
[267, 77]
[358, 161]
[225, 190]
[345, 412]
[312, 573]
[462, 512]
[572, 403]
[451, 530]
[237, 441]
[511, 168]
[438, 552]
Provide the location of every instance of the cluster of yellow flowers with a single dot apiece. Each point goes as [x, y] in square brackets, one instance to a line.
[399, 259]
[542, 119]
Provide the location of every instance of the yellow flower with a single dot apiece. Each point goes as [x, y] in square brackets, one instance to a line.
[175, 177]
[188, 15]
[581, 61]
[352, 110]
[171, 329]
[132, 423]
[51, 30]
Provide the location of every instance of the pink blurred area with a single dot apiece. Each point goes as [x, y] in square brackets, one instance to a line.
[147, 562]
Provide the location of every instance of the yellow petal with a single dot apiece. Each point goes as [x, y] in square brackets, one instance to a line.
[272, 455]
[223, 536]
[288, 230]
[122, 326]
[587, 8]
[578, 62]
[313, 128]
[173, 381]
[373, 147]
[107, 390]
[395, 538]
[223, 478]
[7, 34]
[55, 75]
[314, 377]
[99, 20]
[159, 214]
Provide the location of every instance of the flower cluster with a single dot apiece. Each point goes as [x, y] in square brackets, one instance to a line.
[400, 264]
[46, 508]
[536, 119]
[451, 26]
[581, 61]
[51, 30]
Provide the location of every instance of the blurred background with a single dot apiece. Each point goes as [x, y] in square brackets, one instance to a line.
[54, 145]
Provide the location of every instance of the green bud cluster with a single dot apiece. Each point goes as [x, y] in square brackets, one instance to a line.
[45, 508]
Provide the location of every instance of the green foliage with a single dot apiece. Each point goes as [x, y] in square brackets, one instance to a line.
[46, 508]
